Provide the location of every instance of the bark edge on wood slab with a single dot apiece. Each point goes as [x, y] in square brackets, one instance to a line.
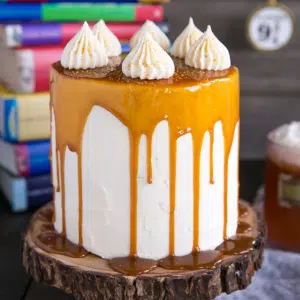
[234, 274]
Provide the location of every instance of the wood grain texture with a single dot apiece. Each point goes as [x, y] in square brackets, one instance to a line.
[92, 278]
[269, 81]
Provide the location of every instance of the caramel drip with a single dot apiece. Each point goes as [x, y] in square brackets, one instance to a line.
[225, 195]
[149, 157]
[238, 169]
[80, 202]
[173, 153]
[238, 245]
[57, 171]
[62, 157]
[188, 104]
[53, 242]
[134, 146]
[197, 145]
[211, 156]
[51, 161]
[243, 228]
[49, 240]
[132, 265]
[228, 132]
[192, 261]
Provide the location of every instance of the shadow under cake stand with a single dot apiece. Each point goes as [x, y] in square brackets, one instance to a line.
[92, 278]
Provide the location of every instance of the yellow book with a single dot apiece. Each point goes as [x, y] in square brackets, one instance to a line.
[24, 117]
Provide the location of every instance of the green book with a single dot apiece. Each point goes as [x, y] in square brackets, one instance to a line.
[96, 11]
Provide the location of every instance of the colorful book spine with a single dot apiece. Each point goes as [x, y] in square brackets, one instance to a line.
[64, 12]
[34, 75]
[24, 193]
[82, 1]
[26, 160]
[33, 34]
[24, 117]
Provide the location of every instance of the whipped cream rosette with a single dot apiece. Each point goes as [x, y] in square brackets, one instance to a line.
[84, 51]
[208, 53]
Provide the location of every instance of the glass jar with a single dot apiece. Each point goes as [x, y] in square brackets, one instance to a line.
[282, 202]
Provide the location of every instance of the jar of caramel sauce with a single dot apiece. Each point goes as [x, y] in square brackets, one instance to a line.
[282, 202]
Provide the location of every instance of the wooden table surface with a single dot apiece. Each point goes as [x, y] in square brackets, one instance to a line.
[15, 284]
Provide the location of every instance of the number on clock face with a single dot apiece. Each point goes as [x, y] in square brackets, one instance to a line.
[270, 28]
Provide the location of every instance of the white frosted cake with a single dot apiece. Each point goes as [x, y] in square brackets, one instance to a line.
[145, 150]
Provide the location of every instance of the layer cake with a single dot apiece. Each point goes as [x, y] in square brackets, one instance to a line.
[145, 148]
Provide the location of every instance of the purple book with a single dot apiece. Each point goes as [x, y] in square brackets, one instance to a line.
[16, 35]
[33, 34]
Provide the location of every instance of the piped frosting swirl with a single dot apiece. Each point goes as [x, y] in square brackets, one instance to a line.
[107, 39]
[155, 32]
[148, 60]
[84, 51]
[186, 39]
[208, 53]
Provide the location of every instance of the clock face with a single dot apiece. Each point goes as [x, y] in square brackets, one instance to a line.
[270, 28]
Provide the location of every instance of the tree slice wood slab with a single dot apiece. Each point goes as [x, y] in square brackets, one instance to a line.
[92, 278]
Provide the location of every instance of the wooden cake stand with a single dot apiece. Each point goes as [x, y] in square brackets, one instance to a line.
[92, 278]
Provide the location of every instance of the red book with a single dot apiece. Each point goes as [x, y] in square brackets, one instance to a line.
[27, 70]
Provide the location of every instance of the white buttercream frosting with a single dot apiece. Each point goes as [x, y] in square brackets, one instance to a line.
[84, 51]
[107, 39]
[208, 53]
[287, 135]
[150, 27]
[148, 60]
[186, 39]
[106, 180]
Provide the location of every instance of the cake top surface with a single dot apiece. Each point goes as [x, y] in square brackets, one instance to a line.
[113, 72]
[287, 135]
[148, 59]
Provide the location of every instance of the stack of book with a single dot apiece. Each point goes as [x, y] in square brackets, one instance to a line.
[32, 37]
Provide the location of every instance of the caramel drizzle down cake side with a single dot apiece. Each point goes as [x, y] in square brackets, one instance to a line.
[148, 61]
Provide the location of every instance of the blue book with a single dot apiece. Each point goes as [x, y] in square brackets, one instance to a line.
[20, 12]
[125, 47]
[25, 159]
[25, 193]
